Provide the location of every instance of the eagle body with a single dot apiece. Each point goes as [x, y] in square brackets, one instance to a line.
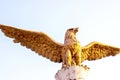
[72, 48]
[70, 53]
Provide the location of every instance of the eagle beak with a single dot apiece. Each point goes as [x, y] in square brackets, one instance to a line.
[76, 30]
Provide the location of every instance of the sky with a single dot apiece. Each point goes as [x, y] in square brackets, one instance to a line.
[98, 20]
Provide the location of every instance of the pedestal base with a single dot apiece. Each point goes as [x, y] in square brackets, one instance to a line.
[72, 73]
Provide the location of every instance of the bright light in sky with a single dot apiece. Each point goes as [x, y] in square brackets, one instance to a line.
[98, 20]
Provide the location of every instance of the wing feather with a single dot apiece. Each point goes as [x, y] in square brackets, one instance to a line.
[39, 42]
[96, 50]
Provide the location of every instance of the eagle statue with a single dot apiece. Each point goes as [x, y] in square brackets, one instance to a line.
[70, 53]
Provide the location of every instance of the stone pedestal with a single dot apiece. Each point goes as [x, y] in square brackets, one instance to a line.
[72, 73]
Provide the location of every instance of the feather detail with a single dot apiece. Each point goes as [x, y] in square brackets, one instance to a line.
[39, 42]
[96, 50]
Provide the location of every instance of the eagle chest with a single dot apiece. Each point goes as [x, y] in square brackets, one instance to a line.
[74, 47]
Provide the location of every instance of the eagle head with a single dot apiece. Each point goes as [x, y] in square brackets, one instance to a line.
[71, 33]
[73, 30]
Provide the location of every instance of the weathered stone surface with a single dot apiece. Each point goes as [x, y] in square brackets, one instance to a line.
[72, 73]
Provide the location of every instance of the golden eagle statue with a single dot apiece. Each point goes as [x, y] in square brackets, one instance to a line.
[69, 53]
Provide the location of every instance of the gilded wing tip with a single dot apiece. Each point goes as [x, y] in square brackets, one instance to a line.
[2, 26]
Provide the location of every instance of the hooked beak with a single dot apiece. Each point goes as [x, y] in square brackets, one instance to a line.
[76, 30]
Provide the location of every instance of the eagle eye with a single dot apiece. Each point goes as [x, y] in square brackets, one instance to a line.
[71, 29]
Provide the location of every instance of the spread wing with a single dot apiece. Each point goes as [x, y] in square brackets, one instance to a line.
[96, 50]
[36, 41]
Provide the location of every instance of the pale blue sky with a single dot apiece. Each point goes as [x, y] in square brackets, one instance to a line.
[98, 20]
